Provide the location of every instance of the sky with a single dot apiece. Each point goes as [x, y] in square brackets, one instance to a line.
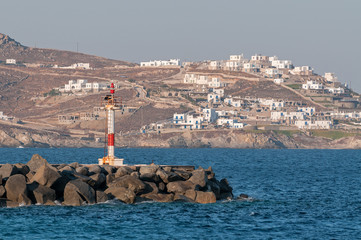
[323, 34]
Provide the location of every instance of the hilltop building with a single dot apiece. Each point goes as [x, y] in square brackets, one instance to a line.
[159, 63]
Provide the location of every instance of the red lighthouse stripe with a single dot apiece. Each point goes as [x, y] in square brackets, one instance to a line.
[111, 139]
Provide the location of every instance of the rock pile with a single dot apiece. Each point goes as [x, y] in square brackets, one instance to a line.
[39, 182]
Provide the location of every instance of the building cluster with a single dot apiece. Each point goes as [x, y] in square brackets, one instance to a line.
[82, 116]
[82, 85]
[10, 61]
[160, 63]
[85, 66]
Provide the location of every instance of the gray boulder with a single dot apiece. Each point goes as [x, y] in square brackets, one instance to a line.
[77, 192]
[101, 196]
[15, 186]
[148, 173]
[46, 175]
[82, 170]
[121, 193]
[94, 169]
[67, 168]
[107, 169]
[122, 171]
[214, 187]
[167, 177]
[99, 180]
[36, 162]
[180, 187]
[41, 194]
[8, 170]
[110, 178]
[199, 177]
[129, 182]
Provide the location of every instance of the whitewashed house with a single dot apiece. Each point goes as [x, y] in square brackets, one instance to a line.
[10, 61]
[308, 110]
[330, 77]
[237, 58]
[272, 72]
[159, 63]
[251, 67]
[334, 90]
[215, 65]
[179, 118]
[214, 97]
[219, 91]
[278, 80]
[313, 124]
[225, 122]
[312, 85]
[281, 63]
[303, 70]
[209, 115]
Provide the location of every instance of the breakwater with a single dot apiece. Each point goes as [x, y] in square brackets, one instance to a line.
[39, 182]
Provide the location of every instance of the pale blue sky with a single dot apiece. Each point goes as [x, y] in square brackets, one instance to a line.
[324, 34]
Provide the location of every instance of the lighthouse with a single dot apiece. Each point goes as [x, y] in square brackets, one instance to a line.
[110, 105]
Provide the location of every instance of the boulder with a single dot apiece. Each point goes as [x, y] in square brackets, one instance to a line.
[82, 170]
[67, 168]
[77, 192]
[61, 166]
[205, 197]
[224, 185]
[150, 187]
[130, 182]
[199, 177]
[8, 170]
[215, 188]
[210, 174]
[180, 187]
[101, 196]
[182, 198]
[2, 191]
[122, 171]
[94, 169]
[158, 197]
[162, 187]
[226, 196]
[41, 194]
[30, 175]
[22, 168]
[46, 175]
[24, 200]
[36, 162]
[148, 173]
[99, 180]
[109, 169]
[110, 178]
[121, 193]
[167, 177]
[135, 174]
[15, 186]
[183, 174]
[74, 165]
[191, 194]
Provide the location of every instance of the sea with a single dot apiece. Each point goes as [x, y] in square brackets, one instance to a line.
[295, 194]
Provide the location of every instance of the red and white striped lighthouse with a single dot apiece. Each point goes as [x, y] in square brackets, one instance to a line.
[110, 106]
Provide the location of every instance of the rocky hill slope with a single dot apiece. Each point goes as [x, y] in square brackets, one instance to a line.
[9, 48]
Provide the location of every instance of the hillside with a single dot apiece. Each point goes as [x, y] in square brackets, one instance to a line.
[9, 48]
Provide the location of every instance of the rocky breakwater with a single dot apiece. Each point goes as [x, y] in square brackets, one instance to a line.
[39, 182]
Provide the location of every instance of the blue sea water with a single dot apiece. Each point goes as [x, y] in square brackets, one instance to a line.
[301, 194]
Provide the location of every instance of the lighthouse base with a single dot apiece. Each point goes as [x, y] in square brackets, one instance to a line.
[113, 161]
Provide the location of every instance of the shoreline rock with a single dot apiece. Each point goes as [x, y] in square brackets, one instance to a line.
[39, 182]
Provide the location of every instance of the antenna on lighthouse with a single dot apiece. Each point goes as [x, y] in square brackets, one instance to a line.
[110, 104]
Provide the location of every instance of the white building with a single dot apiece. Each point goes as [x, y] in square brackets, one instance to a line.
[316, 124]
[308, 110]
[272, 103]
[234, 102]
[214, 97]
[215, 83]
[237, 58]
[278, 80]
[233, 65]
[215, 65]
[330, 77]
[225, 122]
[219, 91]
[304, 70]
[338, 90]
[287, 115]
[259, 57]
[209, 115]
[312, 85]
[81, 66]
[251, 67]
[281, 63]
[158, 63]
[272, 72]
[10, 61]
[179, 118]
